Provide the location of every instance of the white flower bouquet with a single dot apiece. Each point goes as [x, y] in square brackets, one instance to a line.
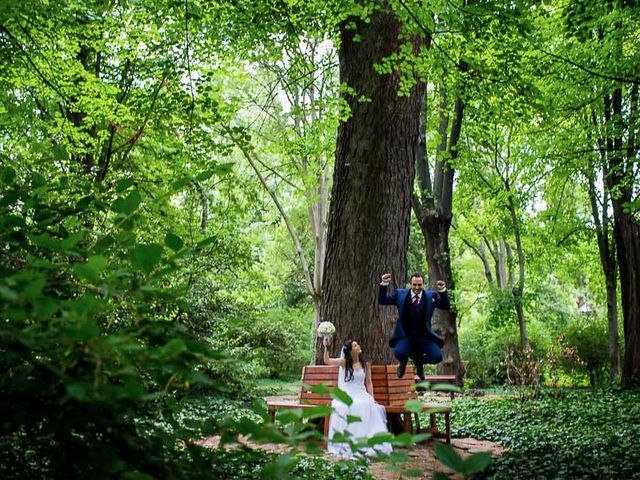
[326, 331]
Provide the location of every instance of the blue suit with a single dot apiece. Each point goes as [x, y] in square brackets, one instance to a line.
[413, 336]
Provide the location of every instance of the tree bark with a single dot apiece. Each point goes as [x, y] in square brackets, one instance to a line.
[606, 249]
[444, 322]
[628, 247]
[433, 209]
[518, 288]
[481, 252]
[621, 183]
[370, 202]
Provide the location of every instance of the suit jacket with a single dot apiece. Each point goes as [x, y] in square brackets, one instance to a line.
[399, 299]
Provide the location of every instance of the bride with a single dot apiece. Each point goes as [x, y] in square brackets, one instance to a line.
[354, 378]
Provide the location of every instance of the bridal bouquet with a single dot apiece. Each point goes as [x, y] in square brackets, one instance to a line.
[326, 331]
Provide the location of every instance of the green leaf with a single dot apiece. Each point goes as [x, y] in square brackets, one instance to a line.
[317, 412]
[44, 307]
[449, 457]
[38, 180]
[77, 391]
[280, 468]
[33, 288]
[420, 437]
[476, 463]
[72, 240]
[439, 476]
[146, 257]
[201, 378]
[260, 407]
[127, 204]
[7, 294]
[443, 408]
[379, 438]
[173, 241]
[91, 270]
[85, 330]
[403, 440]
[59, 153]
[46, 241]
[206, 175]
[353, 419]
[84, 202]
[290, 415]
[414, 406]
[173, 348]
[323, 389]
[224, 168]
[122, 185]
[7, 175]
[133, 388]
[446, 387]
[180, 184]
[342, 396]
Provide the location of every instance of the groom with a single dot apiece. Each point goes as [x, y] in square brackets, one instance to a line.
[412, 336]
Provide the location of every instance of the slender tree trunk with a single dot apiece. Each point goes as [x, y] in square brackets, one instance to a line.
[481, 251]
[606, 249]
[318, 214]
[518, 288]
[433, 208]
[485, 262]
[501, 265]
[509, 250]
[370, 201]
[436, 233]
[612, 320]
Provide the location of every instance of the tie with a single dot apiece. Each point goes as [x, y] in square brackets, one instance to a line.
[416, 301]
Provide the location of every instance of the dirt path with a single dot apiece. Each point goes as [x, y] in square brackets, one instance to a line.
[420, 456]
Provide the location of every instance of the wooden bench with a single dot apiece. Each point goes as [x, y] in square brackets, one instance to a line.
[388, 390]
[438, 379]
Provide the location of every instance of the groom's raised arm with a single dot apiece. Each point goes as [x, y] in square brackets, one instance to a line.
[383, 298]
[441, 298]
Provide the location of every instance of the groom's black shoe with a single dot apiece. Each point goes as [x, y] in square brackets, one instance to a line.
[420, 371]
[401, 368]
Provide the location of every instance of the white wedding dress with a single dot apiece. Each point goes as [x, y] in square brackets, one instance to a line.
[373, 418]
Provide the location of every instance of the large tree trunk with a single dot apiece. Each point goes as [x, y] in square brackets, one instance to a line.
[370, 201]
[622, 183]
[628, 248]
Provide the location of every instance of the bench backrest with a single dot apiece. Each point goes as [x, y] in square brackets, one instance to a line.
[388, 389]
[317, 375]
[400, 389]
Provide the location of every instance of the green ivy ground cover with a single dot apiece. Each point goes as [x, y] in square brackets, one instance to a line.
[246, 464]
[564, 433]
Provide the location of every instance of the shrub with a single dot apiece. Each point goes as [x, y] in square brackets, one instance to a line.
[275, 344]
[90, 336]
[484, 350]
[589, 338]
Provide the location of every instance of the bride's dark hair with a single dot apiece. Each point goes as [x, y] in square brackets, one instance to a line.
[348, 360]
